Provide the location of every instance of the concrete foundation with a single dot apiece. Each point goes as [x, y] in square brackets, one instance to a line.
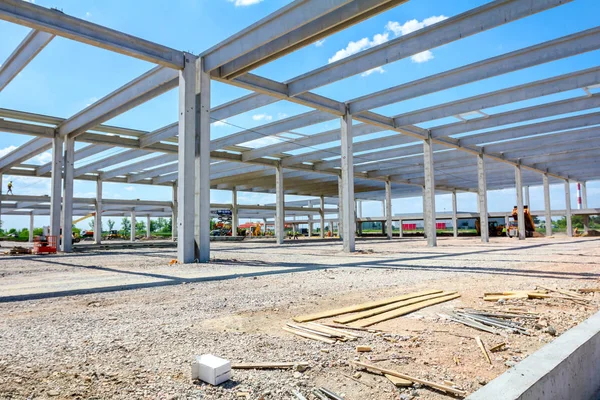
[564, 369]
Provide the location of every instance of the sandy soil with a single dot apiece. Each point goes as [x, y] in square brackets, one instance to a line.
[124, 324]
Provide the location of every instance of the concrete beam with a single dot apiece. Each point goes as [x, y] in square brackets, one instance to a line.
[33, 43]
[556, 49]
[121, 157]
[156, 136]
[80, 154]
[151, 84]
[58, 23]
[24, 152]
[139, 166]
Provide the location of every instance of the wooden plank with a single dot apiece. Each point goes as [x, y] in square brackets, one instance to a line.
[314, 332]
[404, 310]
[352, 328]
[565, 292]
[332, 331]
[589, 290]
[398, 382]
[309, 335]
[483, 350]
[389, 307]
[497, 347]
[361, 307]
[268, 365]
[363, 349]
[411, 378]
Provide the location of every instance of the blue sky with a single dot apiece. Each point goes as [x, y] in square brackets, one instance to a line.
[67, 76]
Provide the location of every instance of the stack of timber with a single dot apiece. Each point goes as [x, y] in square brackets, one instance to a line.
[488, 322]
[322, 333]
[367, 314]
[18, 250]
[540, 293]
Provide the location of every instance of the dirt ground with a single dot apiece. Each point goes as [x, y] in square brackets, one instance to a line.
[124, 324]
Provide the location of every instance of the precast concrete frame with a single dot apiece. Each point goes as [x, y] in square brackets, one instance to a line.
[449, 158]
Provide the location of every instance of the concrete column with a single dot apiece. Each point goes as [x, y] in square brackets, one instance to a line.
[547, 209]
[584, 205]
[401, 229]
[98, 215]
[309, 218]
[279, 205]
[67, 211]
[357, 225]
[55, 186]
[322, 215]
[429, 191]
[454, 213]
[148, 233]
[31, 221]
[202, 164]
[265, 225]
[133, 222]
[388, 209]
[425, 215]
[358, 206]
[347, 164]
[186, 244]
[234, 212]
[482, 195]
[1, 201]
[340, 207]
[520, 209]
[568, 208]
[174, 210]
[527, 197]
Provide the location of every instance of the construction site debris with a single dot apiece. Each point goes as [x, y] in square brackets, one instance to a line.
[483, 350]
[434, 385]
[308, 335]
[360, 307]
[363, 349]
[398, 382]
[16, 250]
[298, 395]
[211, 369]
[498, 347]
[329, 394]
[486, 324]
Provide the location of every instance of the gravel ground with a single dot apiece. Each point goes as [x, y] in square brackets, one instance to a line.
[124, 324]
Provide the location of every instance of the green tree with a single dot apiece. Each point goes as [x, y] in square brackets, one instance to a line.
[126, 226]
[111, 224]
[140, 227]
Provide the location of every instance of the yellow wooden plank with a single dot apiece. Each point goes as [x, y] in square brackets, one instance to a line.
[404, 310]
[389, 307]
[309, 335]
[399, 382]
[361, 307]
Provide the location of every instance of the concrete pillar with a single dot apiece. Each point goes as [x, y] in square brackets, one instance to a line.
[1, 201]
[148, 232]
[174, 210]
[347, 164]
[98, 215]
[31, 222]
[547, 209]
[202, 164]
[401, 229]
[55, 185]
[186, 210]
[67, 211]
[520, 209]
[429, 191]
[340, 207]
[482, 195]
[279, 205]
[388, 209]
[133, 222]
[454, 213]
[234, 212]
[568, 208]
[425, 215]
[357, 225]
[527, 198]
[358, 206]
[310, 223]
[584, 205]
[265, 225]
[322, 216]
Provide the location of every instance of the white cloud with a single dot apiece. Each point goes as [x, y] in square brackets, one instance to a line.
[244, 3]
[422, 57]
[129, 188]
[262, 117]
[43, 158]
[379, 70]
[262, 142]
[362, 44]
[320, 43]
[220, 123]
[91, 101]
[88, 15]
[281, 115]
[7, 150]
[30, 1]
[391, 27]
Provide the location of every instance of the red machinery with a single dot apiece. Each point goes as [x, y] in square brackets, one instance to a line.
[44, 245]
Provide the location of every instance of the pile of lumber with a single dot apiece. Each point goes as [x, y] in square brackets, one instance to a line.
[540, 293]
[18, 250]
[322, 333]
[488, 321]
[367, 314]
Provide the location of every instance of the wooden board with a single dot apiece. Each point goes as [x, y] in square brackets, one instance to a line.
[404, 310]
[483, 350]
[397, 374]
[389, 307]
[361, 307]
[399, 382]
[332, 331]
[266, 365]
[309, 335]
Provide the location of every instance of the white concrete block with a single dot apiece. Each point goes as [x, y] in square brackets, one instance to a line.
[211, 369]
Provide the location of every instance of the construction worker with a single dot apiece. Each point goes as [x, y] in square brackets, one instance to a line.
[9, 188]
